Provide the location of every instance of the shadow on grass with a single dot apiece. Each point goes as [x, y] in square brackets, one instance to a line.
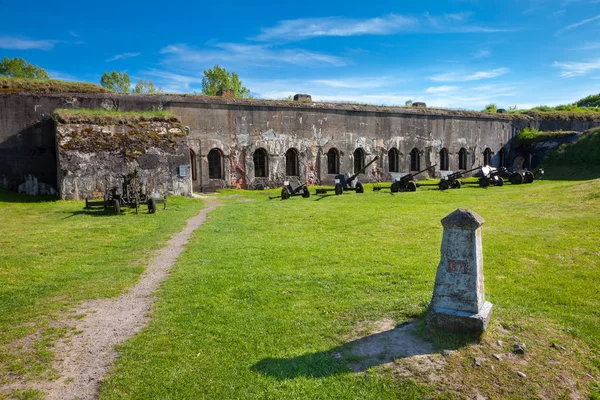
[382, 347]
[7, 196]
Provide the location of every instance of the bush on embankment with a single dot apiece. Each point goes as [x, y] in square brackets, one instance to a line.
[578, 160]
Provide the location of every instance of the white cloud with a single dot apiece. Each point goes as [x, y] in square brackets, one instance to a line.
[262, 55]
[482, 53]
[123, 55]
[571, 68]
[441, 89]
[466, 77]
[354, 83]
[175, 83]
[576, 25]
[19, 43]
[307, 28]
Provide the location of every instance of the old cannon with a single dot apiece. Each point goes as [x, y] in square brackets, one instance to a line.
[132, 194]
[488, 176]
[288, 191]
[451, 181]
[405, 184]
[521, 176]
[345, 183]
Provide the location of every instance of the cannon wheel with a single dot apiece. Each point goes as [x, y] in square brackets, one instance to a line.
[285, 193]
[305, 192]
[443, 185]
[484, 182]
[412, 187]
[500, 181]
[394, 188]
[516, 178]
[116, 205]
[360, 188]
[456, 184]
[527, 177]
[339, 189]
[151, 205]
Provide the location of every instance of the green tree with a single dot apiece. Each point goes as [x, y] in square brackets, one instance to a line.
[490, 108]
[116, 81]
[218, 78]
[144, 86]
[19, 68]
[590, 101]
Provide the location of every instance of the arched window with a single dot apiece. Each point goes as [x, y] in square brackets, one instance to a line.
[462, 158]
[359, 159]
[501, 157]
[393, 157]
[415, 160]
[260, 163]
[291, 162]
[487, 156]
[215, 164]
[333, 161]
[194, 166]
[444, 161]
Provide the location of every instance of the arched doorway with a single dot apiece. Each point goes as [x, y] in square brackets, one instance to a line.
[393, 156]
[444, 160]
[291, 162]
[333, 161]
[487, 156]
[359, 159]
[260, 157]
[415, 160]
[193, 165]
[215, 164]
[462, 158]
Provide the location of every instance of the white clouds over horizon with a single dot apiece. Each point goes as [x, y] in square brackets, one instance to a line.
[123, 55]
[308, 28]
[21, 43]
[572, 69]
[247, 54]
[467, 77]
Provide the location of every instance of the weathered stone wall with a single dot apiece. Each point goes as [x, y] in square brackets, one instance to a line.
[93, 158]
[238, 127]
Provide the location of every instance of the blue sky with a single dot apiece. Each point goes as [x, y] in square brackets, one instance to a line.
[457, 53]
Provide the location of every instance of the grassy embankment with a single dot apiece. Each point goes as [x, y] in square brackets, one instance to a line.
[270, 293]
[56, 254]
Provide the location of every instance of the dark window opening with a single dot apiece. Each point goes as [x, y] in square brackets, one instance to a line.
[487, 156]
[501, 158]
[194, 166]
[462, 159]
[393, 160]
[415, 160]
[260, 163]
[444, 160]
[215, 164]
[359, 159]
[333, 161]
[291, 162]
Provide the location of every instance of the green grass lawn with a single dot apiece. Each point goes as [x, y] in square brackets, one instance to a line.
[268, 291]
[56, 254]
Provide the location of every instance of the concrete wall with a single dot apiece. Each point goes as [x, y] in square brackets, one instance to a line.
[94, 158]
[238, 127]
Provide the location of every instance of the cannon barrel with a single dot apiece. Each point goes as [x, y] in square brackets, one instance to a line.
[409, 177]
[459, 174]
[350, 179]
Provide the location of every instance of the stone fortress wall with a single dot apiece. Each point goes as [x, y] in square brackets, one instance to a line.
[246, 143]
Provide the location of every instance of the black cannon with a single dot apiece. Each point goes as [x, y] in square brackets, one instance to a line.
[522, 176]
[488, 176]
[345, 183]
[288, 191]
[132, 194]
[405, 184]
[451, 181]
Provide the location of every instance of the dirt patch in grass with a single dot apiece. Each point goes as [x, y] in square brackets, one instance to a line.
[553, 365]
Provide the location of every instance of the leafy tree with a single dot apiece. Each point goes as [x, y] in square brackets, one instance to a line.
[144, 86]
[116, 81]
[218, 78]
[490, 108]
[408, 103]
[590, 101]
[19, 68]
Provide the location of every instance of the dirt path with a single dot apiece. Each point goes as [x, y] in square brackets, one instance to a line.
[83, 359]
